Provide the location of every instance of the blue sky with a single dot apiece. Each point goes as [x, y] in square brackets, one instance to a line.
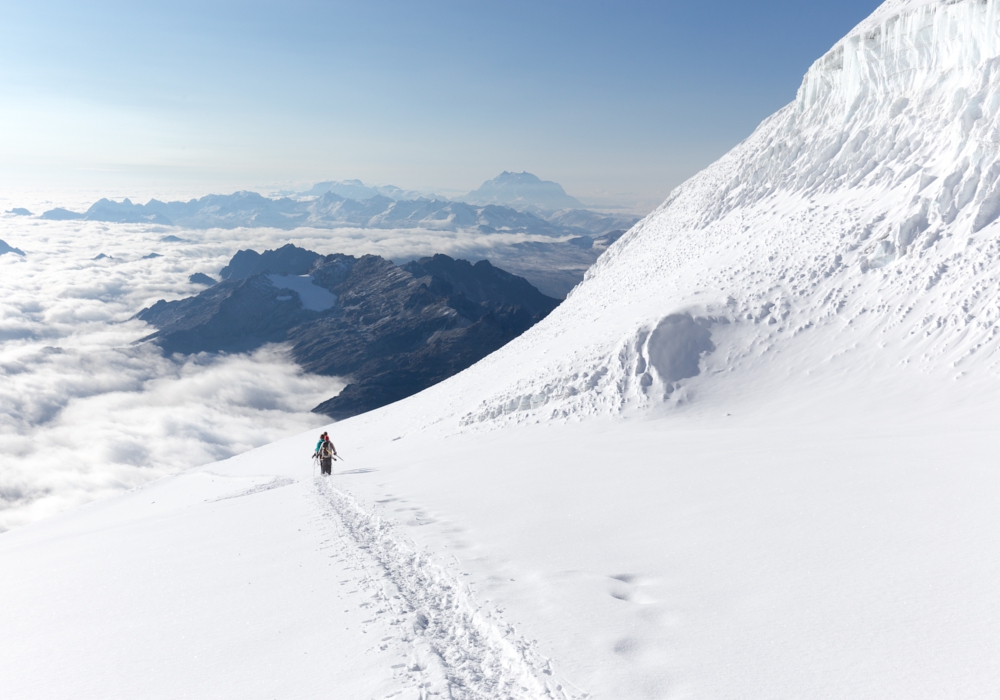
[618, 101]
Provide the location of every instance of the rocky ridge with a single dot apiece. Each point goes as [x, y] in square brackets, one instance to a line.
[393, 330]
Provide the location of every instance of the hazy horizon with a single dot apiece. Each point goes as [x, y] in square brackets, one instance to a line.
[619, 104]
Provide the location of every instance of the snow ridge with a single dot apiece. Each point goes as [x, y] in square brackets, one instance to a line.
[460, 650]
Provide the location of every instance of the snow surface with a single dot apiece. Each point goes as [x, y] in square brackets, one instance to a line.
[313, 297]
[819, 548]
[807, 511]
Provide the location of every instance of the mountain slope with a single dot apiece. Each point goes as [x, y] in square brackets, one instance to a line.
[864, 209]
[394, 330]
[843, 262]
[752, 455]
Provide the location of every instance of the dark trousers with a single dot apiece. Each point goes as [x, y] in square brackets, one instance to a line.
[326, 464]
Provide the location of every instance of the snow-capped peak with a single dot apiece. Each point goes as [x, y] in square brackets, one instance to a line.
[523, 191]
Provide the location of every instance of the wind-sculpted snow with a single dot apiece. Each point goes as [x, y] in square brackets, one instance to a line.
[275, 483]
[675, 348]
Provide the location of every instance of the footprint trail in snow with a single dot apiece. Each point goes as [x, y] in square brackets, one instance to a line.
[457, 648]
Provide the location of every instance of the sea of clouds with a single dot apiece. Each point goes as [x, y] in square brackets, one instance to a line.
[86, 412]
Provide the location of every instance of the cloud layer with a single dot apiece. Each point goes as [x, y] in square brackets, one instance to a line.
[85, 413]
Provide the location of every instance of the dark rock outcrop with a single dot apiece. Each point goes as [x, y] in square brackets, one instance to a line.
[393, 330]
[236, 316]
[202, 278]
[480, 283]
[287, 260]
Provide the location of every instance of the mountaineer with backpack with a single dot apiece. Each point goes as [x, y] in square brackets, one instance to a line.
[325, 452]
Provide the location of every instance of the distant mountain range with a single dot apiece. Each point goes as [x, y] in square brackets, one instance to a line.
[355, 189]
[510, 202]
[521, 191]
[331, 210]
[393, 330]
[579, 235]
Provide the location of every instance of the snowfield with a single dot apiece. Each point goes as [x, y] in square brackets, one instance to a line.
[828, 546]
[753, 455]
[314, 297]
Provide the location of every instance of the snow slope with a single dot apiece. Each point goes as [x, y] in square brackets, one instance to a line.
[796, 548]
[865, 209]
[752, 455]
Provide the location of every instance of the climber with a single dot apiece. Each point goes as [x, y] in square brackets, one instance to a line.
[326, 453]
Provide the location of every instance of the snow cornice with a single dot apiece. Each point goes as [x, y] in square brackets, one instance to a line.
[904, 45]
